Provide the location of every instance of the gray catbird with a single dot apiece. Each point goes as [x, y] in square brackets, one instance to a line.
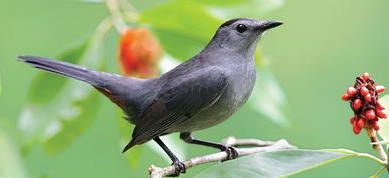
[200, 93]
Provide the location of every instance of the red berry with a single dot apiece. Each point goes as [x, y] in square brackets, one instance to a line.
[139, 53]
[352, 120]
[364, 91]
[370, 114]
[380, 88]
[375, 125]
[357, 104]
[368, 97]
[345, 97]
[357, 129]
[361, 123]
[380, 114]
[365, 76]
[351, 91]
[379, 106]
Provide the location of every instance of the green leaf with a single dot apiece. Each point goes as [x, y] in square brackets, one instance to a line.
[10, 162]
[222, 2]
[378, 173]
[133, 156]
[131, 5]
[244, 8]
[92, 1]
[70, 129]
[177, 45]
[273, 164]
[142, 5]
[45, 86]
[184, 17]
[268, 98]
[384, 123]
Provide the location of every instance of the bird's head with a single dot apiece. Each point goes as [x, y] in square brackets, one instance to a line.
[241, 33]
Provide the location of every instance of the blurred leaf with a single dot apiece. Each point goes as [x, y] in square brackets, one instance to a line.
[384, 123]
[378, 173]
[243, 8]
[268, 98]
[10, 162]
[46, 85]
[222, 2]
[177, 45]
[183, 17]
[273, 164]
[93, 1]
[133, 156]
[125, 128]
[142, 5]
[70, 129]
[69, 111]
[130, 5]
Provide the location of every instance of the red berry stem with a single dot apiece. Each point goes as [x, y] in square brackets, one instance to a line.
[376, 146]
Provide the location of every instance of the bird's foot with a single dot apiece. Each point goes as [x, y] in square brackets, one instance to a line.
[232, 153]
[180, 168]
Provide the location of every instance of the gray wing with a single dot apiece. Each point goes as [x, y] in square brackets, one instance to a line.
[179, 100]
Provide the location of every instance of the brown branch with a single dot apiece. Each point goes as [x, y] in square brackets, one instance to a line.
[261, 146]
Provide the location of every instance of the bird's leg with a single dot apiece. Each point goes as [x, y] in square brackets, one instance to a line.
[180, 167]
[231, 151]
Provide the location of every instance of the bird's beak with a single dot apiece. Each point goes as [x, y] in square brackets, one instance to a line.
[269, 24]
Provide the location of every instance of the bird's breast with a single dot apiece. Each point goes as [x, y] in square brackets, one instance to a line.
[241, 80]
[241, 84]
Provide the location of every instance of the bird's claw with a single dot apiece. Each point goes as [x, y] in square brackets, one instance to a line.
[232, 153]
[179, 168]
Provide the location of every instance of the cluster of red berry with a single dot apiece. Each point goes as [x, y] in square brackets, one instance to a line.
[363, 97]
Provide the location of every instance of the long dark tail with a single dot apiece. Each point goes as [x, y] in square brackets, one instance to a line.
[119, 89]
[77, 72]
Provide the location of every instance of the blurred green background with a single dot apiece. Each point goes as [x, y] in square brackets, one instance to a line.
[314, 56]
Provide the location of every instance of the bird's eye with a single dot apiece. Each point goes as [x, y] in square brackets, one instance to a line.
[241, 28]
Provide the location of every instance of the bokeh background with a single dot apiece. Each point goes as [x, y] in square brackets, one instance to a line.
[313, 57]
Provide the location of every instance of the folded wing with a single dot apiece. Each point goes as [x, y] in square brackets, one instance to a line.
[178, 101]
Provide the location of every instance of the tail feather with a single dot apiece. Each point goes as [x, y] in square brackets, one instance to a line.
[115, 87]
[62, 68]
[131, 144]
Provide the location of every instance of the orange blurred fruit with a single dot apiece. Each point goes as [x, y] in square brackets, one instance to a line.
[139, 53]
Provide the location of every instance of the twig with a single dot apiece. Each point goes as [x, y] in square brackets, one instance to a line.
[377, 147]
[158, 172]
[102, 28]
[118, 22]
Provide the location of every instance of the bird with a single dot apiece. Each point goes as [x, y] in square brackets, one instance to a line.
[201, 92]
